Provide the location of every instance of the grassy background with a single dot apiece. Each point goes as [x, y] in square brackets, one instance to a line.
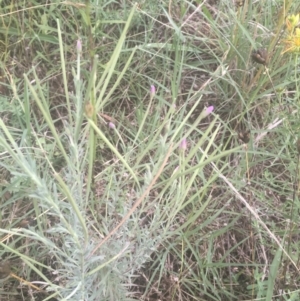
[100, 199]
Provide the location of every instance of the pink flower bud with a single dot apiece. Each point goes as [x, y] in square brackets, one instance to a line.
[111, 125]
[209, 110]
[183, 144]
[79, 45]
[152, 90]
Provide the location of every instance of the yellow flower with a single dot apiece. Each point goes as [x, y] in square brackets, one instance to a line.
[292, 42]
[291, 22]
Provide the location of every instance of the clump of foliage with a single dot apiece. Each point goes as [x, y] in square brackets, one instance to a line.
[148, 151]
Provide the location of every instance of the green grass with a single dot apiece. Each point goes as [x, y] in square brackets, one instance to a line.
[100, 199]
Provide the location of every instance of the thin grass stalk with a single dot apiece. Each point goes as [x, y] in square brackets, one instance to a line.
[27, 113]
[202, 139]
[210, 159]
[147, 148]
[29, 261]
[184, 122]
[195, 173]
[65, 190]
[274, 268]
[295, 190]
[14, 152]
[64, 72]
[144, 119]
[48, 118]
[92, 80]
[87, 19]
[114, 150]
[92, 141]
[79, 97]
[111, 64]
[118, 80]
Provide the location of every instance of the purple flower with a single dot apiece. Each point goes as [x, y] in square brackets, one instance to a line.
[111, 125]
[183, 144]
[209, 110]
[79, 45]
[152, 90]
[206, 111]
